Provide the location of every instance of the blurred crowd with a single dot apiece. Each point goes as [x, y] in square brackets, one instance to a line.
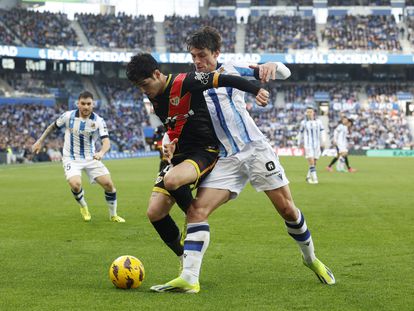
[119, 31]
[379, 121]
[272, 34]
[373, 32]
[39, 29]
[177, 29]
[269, 34]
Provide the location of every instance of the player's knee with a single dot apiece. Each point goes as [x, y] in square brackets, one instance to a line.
[76, 186]
[109, 186]
[197, 213]
[154, 213]
[171, 182]
[288, 210]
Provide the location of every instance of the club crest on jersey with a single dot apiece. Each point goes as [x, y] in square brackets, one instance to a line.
[202, 77]
[93, 125]
[175, 101]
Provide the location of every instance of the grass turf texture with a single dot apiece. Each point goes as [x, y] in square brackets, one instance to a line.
[362, 225]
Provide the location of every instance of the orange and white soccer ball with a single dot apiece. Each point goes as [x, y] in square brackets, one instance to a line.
[127, 272]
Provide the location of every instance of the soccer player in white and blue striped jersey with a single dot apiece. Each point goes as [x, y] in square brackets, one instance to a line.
[311, 139]
[340, 141]
[83, 128]
[246, 156]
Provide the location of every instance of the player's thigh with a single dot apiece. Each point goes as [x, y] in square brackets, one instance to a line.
[265, 170]
[105, 181]
[95, 169]
[342, 148]
[192, 167]
[72, 169]
[207, 200]
[229, 174]
[182, 174]
[159, 205]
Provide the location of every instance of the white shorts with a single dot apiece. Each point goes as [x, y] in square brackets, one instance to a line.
[93, 168]
[342, 148]
[312, 153]
[257, 163]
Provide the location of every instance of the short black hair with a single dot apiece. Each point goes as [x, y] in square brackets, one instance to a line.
[85, 94]
[206, 37]
[140, 67]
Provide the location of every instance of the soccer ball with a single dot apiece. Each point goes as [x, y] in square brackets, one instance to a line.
[127, 272]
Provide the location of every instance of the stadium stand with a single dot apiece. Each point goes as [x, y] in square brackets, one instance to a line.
[119, 31]
[273, 34]
[39, 29]
[177, 28]
[373, 32]
[372, 101]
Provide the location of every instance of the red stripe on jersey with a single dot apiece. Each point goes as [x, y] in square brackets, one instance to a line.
[179, 105]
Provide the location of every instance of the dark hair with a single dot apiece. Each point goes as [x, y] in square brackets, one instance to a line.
[85, 94]
[140, 67]
[206, 37]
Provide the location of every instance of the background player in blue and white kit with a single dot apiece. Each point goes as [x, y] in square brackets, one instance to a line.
[340, 141]
[311, 139]
[245, 156]
[82, 128]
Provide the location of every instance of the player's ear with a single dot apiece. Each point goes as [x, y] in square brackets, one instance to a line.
[156, 74]
[216, 54]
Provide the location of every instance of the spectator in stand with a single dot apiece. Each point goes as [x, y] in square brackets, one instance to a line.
[357, 32]
[177, 28]
[39, 29]
[119, 31]
[272, 34]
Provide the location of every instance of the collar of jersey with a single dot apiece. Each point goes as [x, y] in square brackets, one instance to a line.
[92, 116]
[167, 82]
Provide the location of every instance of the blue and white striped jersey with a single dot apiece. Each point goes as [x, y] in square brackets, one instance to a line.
[81, 134]
[232, 122]
[311, 133]
[340, 135]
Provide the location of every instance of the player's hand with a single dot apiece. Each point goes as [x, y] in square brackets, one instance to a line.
[266, 71]
[262, 97]
[37, 146]
[98, 156]
[169, 149]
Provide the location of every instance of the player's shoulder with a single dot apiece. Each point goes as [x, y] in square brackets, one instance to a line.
[96, 117]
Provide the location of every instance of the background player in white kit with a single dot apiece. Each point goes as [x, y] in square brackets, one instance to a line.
[83, 128]
[311, 139]
[340, 140]
[245, 156]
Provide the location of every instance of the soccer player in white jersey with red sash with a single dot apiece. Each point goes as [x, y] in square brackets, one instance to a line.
[245, 156]
[311, 138]
[83, 128]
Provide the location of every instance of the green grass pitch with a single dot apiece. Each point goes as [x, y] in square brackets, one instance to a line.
[362, 226]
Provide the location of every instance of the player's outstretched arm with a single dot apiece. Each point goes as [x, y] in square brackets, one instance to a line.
[37, 146]
[272, 71]
[106, 145]
[262, 96]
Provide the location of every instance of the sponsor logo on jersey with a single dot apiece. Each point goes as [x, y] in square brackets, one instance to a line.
[175, 101]
[202, 77]
[270, 166]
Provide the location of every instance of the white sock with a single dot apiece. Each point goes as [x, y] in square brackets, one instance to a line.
[195, 245]
[110, 198]
[80, 197]
[299, 231]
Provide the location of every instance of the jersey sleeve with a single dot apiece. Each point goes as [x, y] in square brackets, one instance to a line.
[240, 69]
[61, 121]
[102, 128]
